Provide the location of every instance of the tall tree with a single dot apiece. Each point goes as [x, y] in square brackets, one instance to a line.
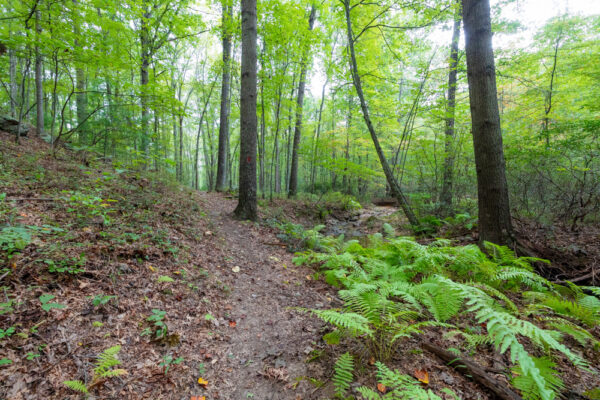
[293, 184]
[247, 207]
[39, 79]
[447, 180]
[494, 212]
[389, 175]
[223, 150]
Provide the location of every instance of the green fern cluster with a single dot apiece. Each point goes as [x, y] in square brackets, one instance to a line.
[401, 387]
[104, 369]
[397, 287]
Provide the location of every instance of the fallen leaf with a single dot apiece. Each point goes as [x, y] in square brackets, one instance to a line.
[208, 233]
[202, 382]
[198, 398]
[422, 376]
[151, 268]
[381, 387]
[232, 324]
[372, 361]
[236, 269]
[308, 277]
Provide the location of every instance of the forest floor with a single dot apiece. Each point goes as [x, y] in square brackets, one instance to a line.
[115, 247]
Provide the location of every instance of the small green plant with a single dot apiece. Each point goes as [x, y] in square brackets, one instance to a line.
[159, 326]
[102, 299]
[30, 356]
[527, 385]
[13, 239]
[6, 333]
[401, 387]
[104, 369]
[71, 265]
[164, 278]
[342, 375]
[5, 361]
[46, 305]
[168, 361]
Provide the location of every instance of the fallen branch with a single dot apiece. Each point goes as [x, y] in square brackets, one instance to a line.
[31, 199]
[477, 373]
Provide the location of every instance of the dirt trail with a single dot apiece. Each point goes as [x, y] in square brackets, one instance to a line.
[270, 343]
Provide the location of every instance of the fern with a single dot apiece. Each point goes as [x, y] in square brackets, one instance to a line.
[402, 387]
[528, 387]
[103, 370]
[342, 375]
[78, 386]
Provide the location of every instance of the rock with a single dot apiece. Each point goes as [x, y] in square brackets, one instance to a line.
[11, 125]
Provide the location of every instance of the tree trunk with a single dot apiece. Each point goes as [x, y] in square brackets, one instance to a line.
[448, 178]
[39, 79]
[262, 142]
[276, 160]
[494, 212]
[225, 100]
[198, 136]
[247, 207]
[13, 82]
[293, 185]
[144, 73]
[391, 180]
[313, 169]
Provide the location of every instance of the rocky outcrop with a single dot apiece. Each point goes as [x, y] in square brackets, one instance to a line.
[11, 125]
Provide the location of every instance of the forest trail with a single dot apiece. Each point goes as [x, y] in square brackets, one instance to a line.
[270, 344]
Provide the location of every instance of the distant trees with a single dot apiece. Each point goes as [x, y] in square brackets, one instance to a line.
[137, 83]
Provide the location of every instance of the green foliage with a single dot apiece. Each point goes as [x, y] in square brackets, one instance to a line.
[102, 299]
[527, 385]
[342, 374]
[164, 278]
[168, 361]
[77, 386]
[46, 305]
[70, 265]
[401, 387]
[104, 368]
[396, 288]
[160, 328]
[6, 333]
[13, 239]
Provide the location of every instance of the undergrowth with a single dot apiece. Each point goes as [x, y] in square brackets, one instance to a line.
[394, 288]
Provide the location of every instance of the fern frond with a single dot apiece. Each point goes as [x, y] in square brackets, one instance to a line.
[78, 386]
[528, 387]
[355, 323]
[106, 360]
[342, 376]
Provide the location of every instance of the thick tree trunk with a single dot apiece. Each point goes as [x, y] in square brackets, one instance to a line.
[247, 207]
[39, 79]
[391, 180]
[293, 185]
[448, 178]
[225, 100]
[494, 212]
[262, 143]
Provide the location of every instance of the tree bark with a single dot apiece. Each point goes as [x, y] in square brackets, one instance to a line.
[247, 207]
[144, 73]
[81, 96]
[293, 185]
[223, 150]
[494, 211]
[391, 179]
[39, 79]
[198, 136]
[448, 175]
